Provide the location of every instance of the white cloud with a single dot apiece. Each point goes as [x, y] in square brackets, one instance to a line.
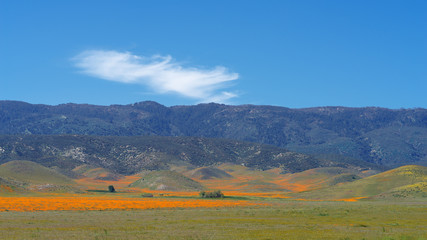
[158, 72]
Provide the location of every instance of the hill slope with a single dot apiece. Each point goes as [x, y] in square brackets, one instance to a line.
[383, 136]
[8, 185]
[396, 181]
[205, 173]
[32, 176]
[30, 172]
[167, 180]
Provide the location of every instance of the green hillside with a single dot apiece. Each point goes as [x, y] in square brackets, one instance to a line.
[407, 179]
[167, 180]
[205, 173]
[35, 177]
[96, 173]
[30, 172]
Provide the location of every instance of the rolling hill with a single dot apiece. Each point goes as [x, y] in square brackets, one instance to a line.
[30, 176]
[166, 180]
[404, 181]
[233, 177]
[30, 172]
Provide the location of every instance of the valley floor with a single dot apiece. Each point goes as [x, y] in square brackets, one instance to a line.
[260, 218]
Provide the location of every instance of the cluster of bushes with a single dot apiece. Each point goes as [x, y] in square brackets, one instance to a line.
[147, 195]
[214, 194]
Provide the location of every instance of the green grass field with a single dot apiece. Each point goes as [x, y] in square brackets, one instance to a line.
[283, 219]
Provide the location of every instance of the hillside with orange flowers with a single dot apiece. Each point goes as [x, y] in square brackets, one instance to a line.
[401, 183]
[328, 183]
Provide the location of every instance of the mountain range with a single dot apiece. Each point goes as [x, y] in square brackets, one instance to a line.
[132, 154]
[382, 137]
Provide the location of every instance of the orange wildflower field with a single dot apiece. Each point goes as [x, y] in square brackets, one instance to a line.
[87, 203]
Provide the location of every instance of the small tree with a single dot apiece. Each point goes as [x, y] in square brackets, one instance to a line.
[111, 188]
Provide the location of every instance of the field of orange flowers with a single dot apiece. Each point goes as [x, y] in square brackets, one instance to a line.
[57, 203]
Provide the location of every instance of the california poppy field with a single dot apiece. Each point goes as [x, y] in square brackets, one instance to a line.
[100, 203]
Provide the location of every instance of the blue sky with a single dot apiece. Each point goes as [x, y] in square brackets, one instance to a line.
[285, 53]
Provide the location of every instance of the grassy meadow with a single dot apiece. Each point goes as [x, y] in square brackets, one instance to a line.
[274, 218]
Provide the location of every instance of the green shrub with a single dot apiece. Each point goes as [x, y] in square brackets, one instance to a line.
[214, 194]
[147, 195]
[111, 188]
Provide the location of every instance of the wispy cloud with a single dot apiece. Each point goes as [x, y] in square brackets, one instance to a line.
[160, 73]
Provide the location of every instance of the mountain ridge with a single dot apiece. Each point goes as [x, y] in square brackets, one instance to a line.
[345, 131]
